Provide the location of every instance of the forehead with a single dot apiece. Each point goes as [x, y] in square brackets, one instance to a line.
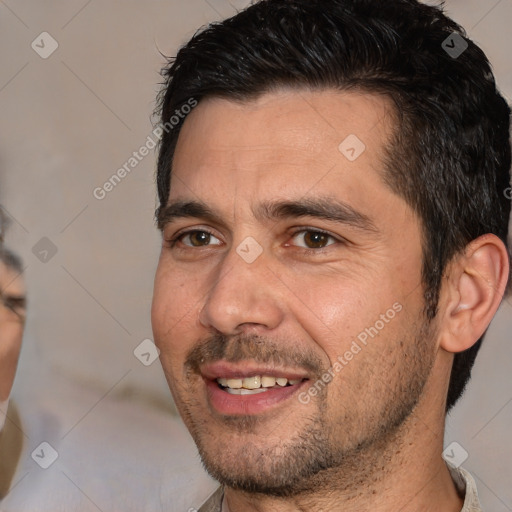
[287, 140]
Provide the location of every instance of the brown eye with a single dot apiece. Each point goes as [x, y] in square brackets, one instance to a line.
[315, 240]
[199, 239]
[310, 239]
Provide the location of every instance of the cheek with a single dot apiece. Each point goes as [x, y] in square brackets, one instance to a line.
[334, 310]
[174, 314]
[171, 296]
[10, 345]
[10, 340]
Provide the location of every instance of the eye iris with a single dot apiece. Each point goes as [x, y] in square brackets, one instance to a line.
[315, 239]
[199, 238]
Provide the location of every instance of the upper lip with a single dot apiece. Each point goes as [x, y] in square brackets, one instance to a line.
[225, 370]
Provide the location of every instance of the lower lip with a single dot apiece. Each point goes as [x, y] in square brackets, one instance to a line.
[227, 404]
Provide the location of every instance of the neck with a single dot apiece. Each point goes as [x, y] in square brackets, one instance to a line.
[404, 471]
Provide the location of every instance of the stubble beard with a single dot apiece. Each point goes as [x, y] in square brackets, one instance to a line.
[323, 455]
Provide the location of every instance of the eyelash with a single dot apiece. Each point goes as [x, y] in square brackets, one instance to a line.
[174, 240]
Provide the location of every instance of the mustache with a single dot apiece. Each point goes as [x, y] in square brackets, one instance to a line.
[257, 348]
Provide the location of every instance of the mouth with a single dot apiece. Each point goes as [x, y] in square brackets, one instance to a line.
[240, 390]
[255, 384]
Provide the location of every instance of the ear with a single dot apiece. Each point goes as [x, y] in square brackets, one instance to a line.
[474, 288]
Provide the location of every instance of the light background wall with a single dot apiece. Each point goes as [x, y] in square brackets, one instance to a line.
[69, 122]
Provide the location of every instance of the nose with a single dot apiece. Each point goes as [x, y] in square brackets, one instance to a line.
[243, 295]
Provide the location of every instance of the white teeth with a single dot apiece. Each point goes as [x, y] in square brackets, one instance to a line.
[252, 382]
[246, 391]
[268, 382]
[256, 382]
[234, 383]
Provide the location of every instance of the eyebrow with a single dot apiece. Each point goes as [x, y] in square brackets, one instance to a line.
[185, 209]
[321, 208]
[19, 300]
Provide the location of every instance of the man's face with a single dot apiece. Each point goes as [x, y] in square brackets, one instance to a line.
[12, 313]
[286, 256]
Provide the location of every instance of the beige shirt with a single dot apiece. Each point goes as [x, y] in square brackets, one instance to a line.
[464, 483]
[11, 444]
[466, 487]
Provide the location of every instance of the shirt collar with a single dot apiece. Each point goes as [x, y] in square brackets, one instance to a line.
[466, 488]
[463, 481]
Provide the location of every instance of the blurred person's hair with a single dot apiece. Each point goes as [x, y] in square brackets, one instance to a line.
[11, 260]
[449, 156]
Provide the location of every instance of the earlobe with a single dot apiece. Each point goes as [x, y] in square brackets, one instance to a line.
[476, 284]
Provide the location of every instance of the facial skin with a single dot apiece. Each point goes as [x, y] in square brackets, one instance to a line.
[11, 327]
[372, 437]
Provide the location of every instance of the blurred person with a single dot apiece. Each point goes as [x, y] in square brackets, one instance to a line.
[331, 185]
[49, 412]
[12, 321]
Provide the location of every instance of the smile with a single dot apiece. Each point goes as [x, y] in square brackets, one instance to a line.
[247, 389]
[255, 384]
